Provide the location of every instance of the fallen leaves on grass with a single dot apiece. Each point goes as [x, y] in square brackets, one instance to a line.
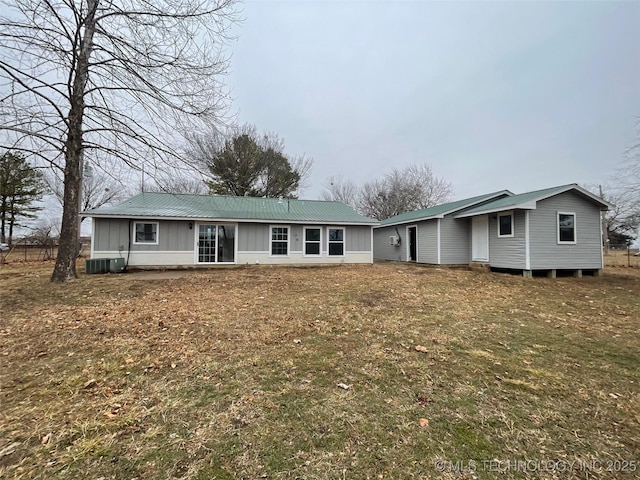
[90, 384]
[244, 395]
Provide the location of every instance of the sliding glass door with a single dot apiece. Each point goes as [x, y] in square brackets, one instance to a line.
[216, 243]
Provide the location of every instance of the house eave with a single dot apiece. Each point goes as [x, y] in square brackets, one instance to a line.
[412, 221]
[520, 206]
[448, 212]
[227, 220]
[531, 204]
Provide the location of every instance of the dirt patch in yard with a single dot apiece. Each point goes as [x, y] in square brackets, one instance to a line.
[155, 274]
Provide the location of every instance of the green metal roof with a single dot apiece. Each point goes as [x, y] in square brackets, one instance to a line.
[528, 200]
[439, 211]
[183, 206]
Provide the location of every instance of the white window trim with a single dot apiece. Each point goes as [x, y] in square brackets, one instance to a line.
[196, 247]
[513, 224]
[344, 240]
[144, 222]
[271, 227]
[304, 241]
[575, 229]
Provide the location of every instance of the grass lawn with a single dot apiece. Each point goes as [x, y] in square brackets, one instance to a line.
[384, 371]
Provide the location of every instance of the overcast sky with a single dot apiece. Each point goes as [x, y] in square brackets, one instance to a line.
[492, 95]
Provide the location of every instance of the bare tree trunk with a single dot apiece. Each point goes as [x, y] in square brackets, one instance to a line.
[3, 238]
[65, 268]
[69, 247]
[12, 221]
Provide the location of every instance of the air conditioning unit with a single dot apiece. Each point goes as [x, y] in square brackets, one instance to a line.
[394, 240]
[96, 265]
[104, 265]
[116, 265]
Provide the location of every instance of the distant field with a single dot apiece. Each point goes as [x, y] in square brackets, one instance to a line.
[21, 254]
[384, 371]
[620, 258]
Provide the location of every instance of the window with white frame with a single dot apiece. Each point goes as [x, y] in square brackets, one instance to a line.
[312, 239]
[566, 227]
[145, 233]
[505, 224]
[279, 240]
[336, 241]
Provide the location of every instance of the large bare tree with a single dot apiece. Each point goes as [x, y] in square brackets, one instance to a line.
[338, 189]
[627, 190]
[178, 182]
[99, 187]
[124, 77]
[402, 190]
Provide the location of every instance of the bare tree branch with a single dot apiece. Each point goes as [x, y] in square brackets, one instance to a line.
[338, 189]
[402, 190]
[127, 78]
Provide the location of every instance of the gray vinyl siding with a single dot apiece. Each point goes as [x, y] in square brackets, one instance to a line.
[455, 241]
[112, 235]
[296, 238]
[428, 241]
[508, 252]
[381, 248]
[546, 253]
[358, 238]
[109, 234]
[253, 237]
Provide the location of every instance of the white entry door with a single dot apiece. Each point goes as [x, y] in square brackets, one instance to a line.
[480, 239]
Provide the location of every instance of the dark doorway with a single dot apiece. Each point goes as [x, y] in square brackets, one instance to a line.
[413, 250]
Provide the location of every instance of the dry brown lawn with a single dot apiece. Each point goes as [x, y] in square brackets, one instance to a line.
[383, 371]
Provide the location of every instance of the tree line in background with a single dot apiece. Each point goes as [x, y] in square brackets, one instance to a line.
[402, 190]
[623, 191]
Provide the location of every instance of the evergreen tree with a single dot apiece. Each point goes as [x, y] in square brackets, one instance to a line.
[244, 163]
[20, 186]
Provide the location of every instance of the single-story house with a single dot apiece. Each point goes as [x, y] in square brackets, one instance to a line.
[557, 228]
[179, 230]
[432, 235]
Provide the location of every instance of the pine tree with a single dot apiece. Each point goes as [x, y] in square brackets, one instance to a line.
[20, 186]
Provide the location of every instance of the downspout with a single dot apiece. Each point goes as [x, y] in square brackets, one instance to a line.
[371, 245]
[93, 237]
[126, 265]
[527, 246]
[438, 239]
[604, 236]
